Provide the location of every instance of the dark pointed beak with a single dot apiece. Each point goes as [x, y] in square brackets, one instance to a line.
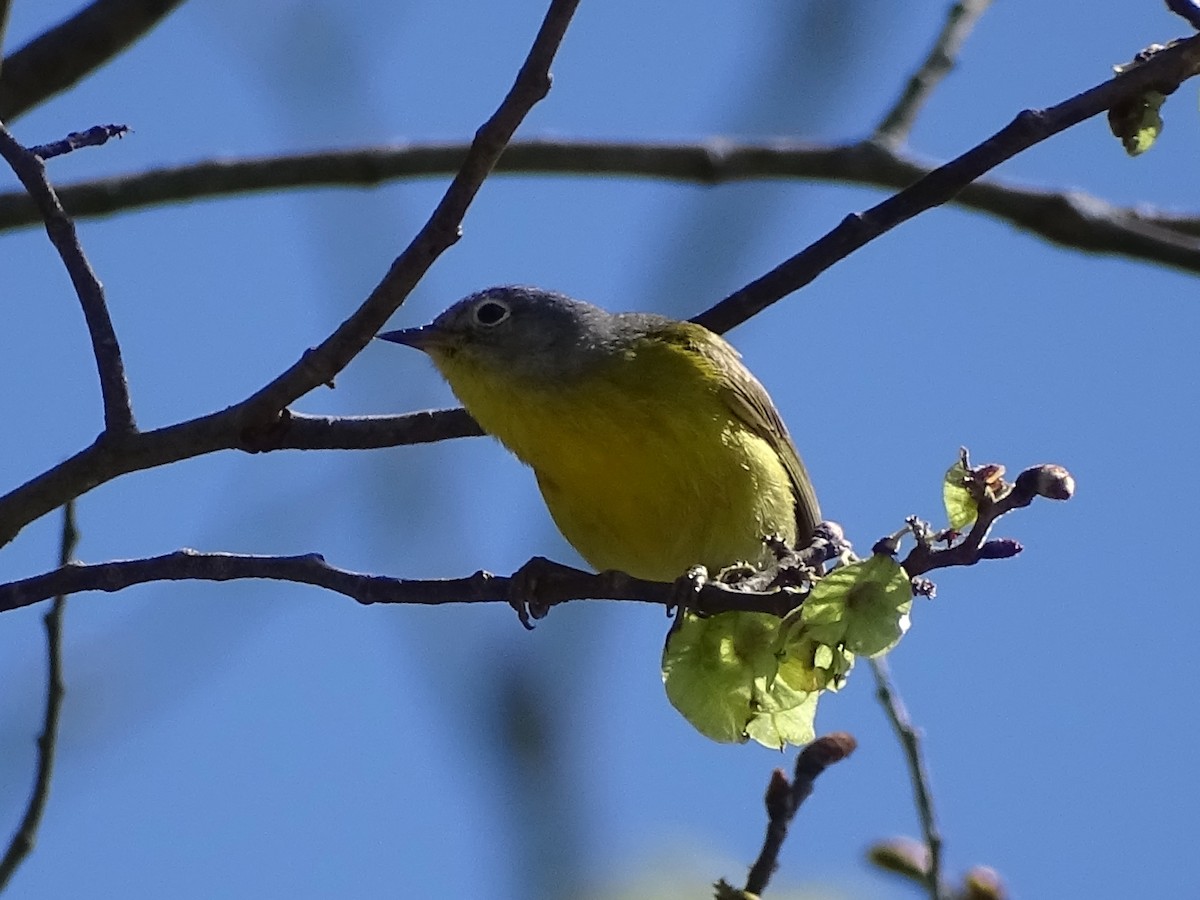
[420, 338]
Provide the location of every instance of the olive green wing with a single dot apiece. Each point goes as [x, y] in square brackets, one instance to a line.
[749, 401]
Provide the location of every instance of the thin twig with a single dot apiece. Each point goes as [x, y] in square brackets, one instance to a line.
[783, 800]
[899, 120]
[1164, 71]
[23, 840]
[260, 412]
[29, 168]
[64, 54]
[910, 740]
[96, 136]
[1068, 218]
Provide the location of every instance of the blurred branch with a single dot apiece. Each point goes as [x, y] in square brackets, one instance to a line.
[258, 413]
[910, 740]
[899, 120]
[29, 168]
[1163, 71]
[63, 55]
[783, 800]
[96, 136]
[1189, 9]
[23, 840]
[1068, 218]
[5, 9]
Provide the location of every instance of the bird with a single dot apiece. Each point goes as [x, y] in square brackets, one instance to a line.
[654, 447]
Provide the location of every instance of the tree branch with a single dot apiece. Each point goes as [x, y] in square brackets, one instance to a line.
[29, 168]
[95, 136]
[994, 499]
[58, 58]
[5, 9]
[1068, 218]
[1164, 71]
[1189, 9]
[910, 741]
[298, 431]
[895, 126]
[260, 412]
[540, 584]
[783, 801]
[23, 840]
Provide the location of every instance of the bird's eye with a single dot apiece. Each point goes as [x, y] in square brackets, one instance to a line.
[491, 312]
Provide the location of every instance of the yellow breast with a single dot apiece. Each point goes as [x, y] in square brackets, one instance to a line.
[642, 464]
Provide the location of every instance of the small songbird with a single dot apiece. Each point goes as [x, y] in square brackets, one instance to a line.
[654, 447]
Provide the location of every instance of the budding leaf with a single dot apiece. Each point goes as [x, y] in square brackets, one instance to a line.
[961, 508]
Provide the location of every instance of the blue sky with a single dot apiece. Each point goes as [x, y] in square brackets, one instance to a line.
[257, 740]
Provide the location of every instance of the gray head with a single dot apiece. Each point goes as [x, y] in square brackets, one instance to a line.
[522, 330]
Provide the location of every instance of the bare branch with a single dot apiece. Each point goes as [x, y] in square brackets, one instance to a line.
[1069, 218]
[1186, 8]
[910, 741]
[118, 410]
[539, 584]
[66, 53]
[23, 840]
[96, 136]
[259, 413]
[297, 431]
[1164, 71]
[783, 801]
[898, 122]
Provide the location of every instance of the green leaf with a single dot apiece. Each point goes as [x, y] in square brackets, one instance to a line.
[961, 508]
[1137, 122]
[724, 675]
[863, 607]
[784, 713]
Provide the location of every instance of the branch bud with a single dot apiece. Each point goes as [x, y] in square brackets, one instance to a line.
[1049, 481]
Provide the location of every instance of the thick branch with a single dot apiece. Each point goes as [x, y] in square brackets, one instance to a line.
[29, 168]
[260, 413]
[899, 120]
[1069, 218]
[66, 53]
[1163, 72]
[539, 584]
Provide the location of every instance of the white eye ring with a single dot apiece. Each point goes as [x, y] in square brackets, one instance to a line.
[490, 312]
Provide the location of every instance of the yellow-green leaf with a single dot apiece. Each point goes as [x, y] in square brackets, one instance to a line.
[724, 675]
[1137, 122]
[961, 508]
[862, 607]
